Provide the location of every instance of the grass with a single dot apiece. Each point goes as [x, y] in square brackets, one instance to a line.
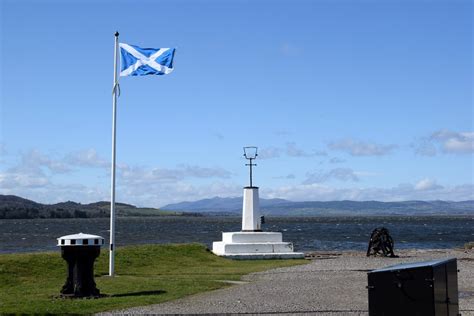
[147, 274]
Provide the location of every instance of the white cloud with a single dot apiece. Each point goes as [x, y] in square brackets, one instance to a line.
[35, 176]
[342, 174]
[427, 184]
[366, 173]
[424, 147]
[36, 159]
[282, 132]
[290, 149]
[445, 141]
[86, 158]
[50, 193]
[359, 148]
[336, 160]
[454, 142]
[287, 177]
[19, 178]
[142, 175]
[159, 186]
[139, 186]
[402, 192]
[293, 151]
[3, 149]
[34, 170]
[269, 153]
[162, 193]
[203, 172]
[38, 176]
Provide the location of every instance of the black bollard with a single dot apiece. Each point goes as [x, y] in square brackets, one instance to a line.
[80, 252]
[381, 242]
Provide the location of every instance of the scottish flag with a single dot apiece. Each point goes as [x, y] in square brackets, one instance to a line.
[138, 61]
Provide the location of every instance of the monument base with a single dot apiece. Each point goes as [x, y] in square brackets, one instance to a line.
[254, 245]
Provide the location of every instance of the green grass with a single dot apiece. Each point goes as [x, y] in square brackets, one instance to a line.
[148, 274]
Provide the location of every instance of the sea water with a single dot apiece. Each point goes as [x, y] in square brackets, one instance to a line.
[306, 233]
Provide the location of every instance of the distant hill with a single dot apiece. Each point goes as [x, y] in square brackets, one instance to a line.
[12, 206]
[279, 207]
[218, 204]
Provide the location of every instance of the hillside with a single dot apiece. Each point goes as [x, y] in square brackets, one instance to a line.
[12, 206]
[218, 204]
[279, 207]
[16, 207]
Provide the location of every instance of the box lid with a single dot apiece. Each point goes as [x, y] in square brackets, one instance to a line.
[413, 265]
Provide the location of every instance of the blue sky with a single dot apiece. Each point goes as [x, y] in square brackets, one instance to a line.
[361, 100]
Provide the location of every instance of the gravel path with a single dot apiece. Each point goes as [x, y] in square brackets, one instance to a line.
[333, 283]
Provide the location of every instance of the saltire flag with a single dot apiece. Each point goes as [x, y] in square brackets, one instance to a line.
[138, 61]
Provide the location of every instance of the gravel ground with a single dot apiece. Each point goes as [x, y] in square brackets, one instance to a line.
[333, 283]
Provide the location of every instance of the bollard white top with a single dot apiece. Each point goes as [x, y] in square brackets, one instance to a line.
[80, 240]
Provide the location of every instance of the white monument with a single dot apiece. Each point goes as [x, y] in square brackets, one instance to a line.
[251, 242]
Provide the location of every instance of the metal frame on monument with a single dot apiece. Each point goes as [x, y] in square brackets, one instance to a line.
[250, 153]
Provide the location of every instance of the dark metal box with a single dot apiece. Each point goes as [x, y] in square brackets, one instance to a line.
[420, 288]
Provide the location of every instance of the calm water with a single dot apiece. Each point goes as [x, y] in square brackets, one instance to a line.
[307, 233]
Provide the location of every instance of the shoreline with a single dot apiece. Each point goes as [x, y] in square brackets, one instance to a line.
[309, 254]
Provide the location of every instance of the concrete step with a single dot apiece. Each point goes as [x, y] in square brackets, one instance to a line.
[259, 256]
[221, 248]
[251, 237]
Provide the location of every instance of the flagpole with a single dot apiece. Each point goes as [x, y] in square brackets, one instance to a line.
[112, 191]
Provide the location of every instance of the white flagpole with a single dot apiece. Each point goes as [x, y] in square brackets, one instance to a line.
[112, 191]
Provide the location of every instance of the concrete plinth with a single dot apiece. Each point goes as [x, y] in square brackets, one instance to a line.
[254, 245]
[251, 242]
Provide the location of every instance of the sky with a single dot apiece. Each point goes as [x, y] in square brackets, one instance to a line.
[345, 100]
